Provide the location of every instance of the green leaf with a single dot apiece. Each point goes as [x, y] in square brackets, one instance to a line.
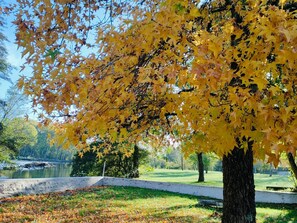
[52, 54]
[179, 7]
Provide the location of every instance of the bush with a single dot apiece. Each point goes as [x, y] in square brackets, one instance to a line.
[143, 169]
[172, 165]
[116, 164]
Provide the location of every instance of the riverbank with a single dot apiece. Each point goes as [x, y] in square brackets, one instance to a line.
[34, 169]
[23, 164]
[28, 163]
[43, 160]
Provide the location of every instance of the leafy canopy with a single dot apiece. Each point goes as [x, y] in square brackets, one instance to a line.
[222, 72]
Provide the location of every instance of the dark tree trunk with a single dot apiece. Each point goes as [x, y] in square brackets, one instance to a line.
[200, 167]
[270, 170]
[135, 163]
[239, 189]
[292, 164]
[182, 161]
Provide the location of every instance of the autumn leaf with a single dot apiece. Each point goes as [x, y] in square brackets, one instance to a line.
[52, 54]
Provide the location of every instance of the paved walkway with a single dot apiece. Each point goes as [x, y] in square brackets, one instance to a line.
[13, 187]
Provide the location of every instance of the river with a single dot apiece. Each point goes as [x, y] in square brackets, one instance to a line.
[54, 170]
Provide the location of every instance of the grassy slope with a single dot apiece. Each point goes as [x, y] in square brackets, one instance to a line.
[212, 178]
[119, 204]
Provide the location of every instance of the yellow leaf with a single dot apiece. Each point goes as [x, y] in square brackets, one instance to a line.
[282, 2]
[215, 48]
[261, 82]
[194, 12]
[123, 133]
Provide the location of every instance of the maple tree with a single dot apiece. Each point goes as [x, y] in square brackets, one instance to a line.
[222, 73]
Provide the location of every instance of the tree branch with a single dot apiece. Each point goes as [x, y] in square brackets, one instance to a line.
[186, 90]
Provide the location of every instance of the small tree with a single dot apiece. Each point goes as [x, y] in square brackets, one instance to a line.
[208, 160]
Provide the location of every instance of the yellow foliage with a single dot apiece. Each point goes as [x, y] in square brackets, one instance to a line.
[170, 65]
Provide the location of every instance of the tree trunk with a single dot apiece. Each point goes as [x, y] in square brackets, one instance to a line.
[292, 164]
[135, 163]
[239, 189]
[182, 162]
[200, 167]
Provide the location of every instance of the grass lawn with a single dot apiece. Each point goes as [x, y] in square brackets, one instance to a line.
[212, 178]
[123, 204]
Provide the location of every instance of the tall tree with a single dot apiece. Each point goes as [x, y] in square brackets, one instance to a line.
[5, 67]
[15, 104]
[224, 69]
[15, 131]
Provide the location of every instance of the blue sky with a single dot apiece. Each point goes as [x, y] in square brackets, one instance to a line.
[14, 58]
[14, 55]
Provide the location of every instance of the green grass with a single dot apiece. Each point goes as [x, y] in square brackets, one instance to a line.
[212, 178]
[124, 204]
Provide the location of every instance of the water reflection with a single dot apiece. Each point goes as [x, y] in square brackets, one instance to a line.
[57, 170]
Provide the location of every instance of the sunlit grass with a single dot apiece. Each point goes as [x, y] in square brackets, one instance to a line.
[124, 204]
[212, 178]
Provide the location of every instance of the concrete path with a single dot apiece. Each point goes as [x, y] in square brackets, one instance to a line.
[14, 187]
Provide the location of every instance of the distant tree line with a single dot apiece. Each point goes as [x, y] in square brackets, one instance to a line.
[43, 150]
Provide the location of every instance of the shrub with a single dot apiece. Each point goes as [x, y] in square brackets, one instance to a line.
[116, 164]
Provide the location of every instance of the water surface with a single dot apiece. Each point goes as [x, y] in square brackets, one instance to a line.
[56, 170]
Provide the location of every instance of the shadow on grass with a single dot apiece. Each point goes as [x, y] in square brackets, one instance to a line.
[132, 193]
[171, 214]
[289, 216]
[267, 180]
[173, 174]
[166, 213]
[213, 218]
[126, 204]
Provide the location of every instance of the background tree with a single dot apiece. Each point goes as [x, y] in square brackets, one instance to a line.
[225, 69]
[43, 149]
[15, 132]
[15, 104]
[5, 67]
[209, 161]
[200, 167]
